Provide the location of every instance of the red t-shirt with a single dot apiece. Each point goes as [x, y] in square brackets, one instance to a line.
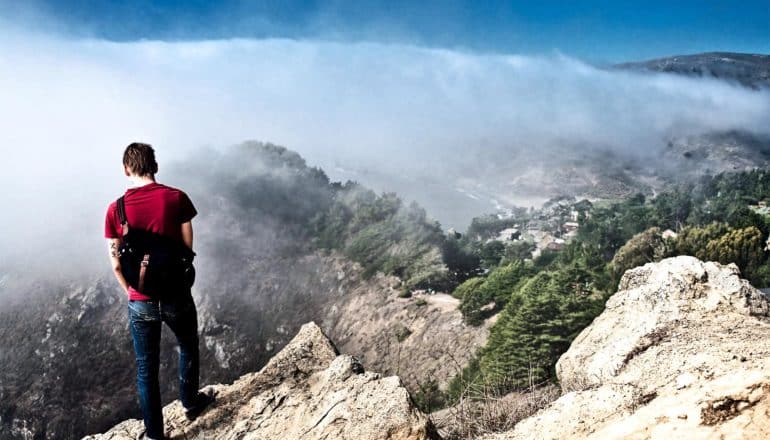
[153, 207]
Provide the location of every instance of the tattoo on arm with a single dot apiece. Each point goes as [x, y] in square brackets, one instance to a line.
[114, 249]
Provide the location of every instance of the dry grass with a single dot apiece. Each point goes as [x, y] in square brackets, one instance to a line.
[481, 411]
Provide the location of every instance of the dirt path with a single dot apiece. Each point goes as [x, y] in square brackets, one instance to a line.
[442, 301]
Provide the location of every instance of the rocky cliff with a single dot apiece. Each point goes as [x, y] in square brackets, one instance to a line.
[306, 391]
[69, 361]
[682, 350]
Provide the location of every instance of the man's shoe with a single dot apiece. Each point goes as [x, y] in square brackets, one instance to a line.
[144, 436]
[204, 400]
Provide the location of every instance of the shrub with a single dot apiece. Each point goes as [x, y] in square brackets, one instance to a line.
[642, 248]
[496, 290]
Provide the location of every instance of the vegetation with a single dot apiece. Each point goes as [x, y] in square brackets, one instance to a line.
[384, 236]
[642, 248]
[402, 332]
[544, 303]
[485, 410]
[429, 397]
[483, 297]
[536, 327]
[274, 189]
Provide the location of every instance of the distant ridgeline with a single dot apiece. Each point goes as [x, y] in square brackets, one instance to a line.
[750, 70]
[544, 302]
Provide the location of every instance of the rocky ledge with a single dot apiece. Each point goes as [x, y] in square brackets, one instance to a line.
[306, 391]
[681, 351]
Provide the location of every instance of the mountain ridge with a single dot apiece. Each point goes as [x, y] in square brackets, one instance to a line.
[748, 69]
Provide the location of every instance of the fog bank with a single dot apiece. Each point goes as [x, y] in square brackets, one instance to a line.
[397, 112]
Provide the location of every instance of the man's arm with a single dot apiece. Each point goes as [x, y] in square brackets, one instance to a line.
[187, 234]
[113, 244]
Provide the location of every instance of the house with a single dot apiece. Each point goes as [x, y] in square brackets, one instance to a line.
[570, 226]
[509, 234]
[556, 245]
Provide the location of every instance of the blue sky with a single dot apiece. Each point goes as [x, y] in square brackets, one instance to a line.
[597, 30]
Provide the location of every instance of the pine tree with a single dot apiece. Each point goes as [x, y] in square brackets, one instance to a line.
[535, 328]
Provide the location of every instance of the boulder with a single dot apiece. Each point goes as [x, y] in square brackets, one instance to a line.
[682, 349]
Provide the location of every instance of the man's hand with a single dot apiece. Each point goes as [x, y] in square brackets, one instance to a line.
[113, 244]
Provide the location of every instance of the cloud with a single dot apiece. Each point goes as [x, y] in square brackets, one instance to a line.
[70, 106]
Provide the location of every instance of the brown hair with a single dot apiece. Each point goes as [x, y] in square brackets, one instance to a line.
[140, 159]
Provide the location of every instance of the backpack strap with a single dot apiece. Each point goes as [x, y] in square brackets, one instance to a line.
[122, 214]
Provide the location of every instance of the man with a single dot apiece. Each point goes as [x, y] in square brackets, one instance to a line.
[165, 211]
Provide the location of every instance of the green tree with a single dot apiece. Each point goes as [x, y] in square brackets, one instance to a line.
[461, 262]
[468, 287]
[744, 247]
[496, 290]
[537, 325]
[692, 240]
[518, 250]
[491, 254]
[642, 248]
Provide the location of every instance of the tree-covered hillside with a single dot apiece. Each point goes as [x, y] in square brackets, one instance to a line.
[544, 302]
[270, 187]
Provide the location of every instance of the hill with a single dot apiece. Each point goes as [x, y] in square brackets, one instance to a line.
[749, 70]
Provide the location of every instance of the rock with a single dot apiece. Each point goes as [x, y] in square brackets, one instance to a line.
[682, 349]
[245, 317]
[654, 303]
[306, 391]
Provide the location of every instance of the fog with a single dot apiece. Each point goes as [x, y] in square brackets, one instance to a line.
[386, 115]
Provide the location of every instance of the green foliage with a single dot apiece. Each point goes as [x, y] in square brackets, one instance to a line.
[384, 236]
[722, 243]
[501, 283]
[561, 292]
[518, 250]
[537, 325]
[488, 226]
[272, 188]
[468, 287]
[547, 257]
[692, 240]
[700, 213]
[608, 228]
[496, 289]
[461, 262]
[642, 248]
[429, 397]
[491, 253]
[401, 332]
[672, 208]
[744, 247]
[469, 378]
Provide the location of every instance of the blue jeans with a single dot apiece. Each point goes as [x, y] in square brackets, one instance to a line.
[145, 320]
